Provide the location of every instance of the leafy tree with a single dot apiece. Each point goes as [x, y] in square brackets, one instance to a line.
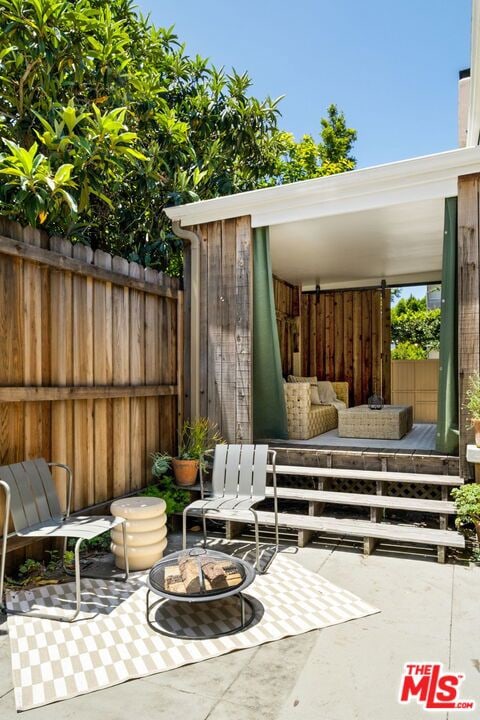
[308, 159]
[415, 329]
[104, 120]
[408, 351]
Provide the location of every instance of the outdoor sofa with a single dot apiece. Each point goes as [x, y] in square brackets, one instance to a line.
[305, 420]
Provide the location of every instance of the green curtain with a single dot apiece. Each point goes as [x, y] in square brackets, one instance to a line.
[447, 426]
[269, 412]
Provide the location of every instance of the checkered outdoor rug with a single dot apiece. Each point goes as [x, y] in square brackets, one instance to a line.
[52, 660]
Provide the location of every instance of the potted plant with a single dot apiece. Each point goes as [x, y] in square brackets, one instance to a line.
[467, 501]
[473, 404]
[195, 438]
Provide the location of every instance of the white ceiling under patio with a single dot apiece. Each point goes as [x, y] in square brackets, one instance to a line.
[399, 243]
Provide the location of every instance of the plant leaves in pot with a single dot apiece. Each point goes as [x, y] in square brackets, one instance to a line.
[467, 503]
[196, 437]
[473, 404]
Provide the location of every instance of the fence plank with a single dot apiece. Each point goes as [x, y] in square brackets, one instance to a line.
[137, 377]
[79, 266]
[72, 386]
[121, 376]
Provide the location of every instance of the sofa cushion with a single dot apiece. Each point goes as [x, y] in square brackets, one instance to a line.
[314, 396]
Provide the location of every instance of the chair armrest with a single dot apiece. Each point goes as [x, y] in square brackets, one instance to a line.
[298, 393]
[341, 389]
[70, 484]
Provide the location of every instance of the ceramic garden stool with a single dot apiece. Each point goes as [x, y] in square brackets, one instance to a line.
[146, 531]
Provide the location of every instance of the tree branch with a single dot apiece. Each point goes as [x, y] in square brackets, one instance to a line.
[22, 82]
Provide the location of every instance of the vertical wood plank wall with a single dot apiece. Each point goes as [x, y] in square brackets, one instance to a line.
[226, 326]
[287, 306]
[89, 368]
[415, 383]
[342, 340]
[468, 298]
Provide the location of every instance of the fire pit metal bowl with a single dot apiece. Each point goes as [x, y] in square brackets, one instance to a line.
[199, 576]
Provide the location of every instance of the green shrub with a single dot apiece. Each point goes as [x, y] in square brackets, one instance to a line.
[467, 503]
[473, 397]
[408, 351]
[175, 498]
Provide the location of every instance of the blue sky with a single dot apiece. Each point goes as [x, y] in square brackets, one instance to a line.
[391, 66]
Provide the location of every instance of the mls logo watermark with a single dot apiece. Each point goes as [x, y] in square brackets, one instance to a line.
[430, 686]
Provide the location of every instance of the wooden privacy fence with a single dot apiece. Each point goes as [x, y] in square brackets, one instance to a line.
[415, 382]
[287, 306]
[346, 336]
[90, 371]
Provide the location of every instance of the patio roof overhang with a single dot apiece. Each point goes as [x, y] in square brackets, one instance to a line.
[353, 229]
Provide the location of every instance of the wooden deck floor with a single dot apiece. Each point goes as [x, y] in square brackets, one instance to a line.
[421, 437]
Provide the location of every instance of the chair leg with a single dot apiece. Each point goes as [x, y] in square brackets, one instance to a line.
[78, 587]
[125, 550]
[3, 606]
[257, 541]
[184, 534]
[204, 523]
[275, 510]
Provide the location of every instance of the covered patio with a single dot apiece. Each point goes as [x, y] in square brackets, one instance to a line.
[352, 237]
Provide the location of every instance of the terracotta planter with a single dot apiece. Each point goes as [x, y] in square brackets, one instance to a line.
[185, 471]
[476, 427]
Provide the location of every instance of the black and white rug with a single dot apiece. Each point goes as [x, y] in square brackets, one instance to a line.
[112, 641]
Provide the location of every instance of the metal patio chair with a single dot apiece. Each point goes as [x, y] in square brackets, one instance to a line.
[239, 479]
[32, 499]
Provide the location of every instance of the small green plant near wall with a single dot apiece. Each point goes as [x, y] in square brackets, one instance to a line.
[472, 404]
[164, 487]
[473, 397]
[467, 502]
[32, 573]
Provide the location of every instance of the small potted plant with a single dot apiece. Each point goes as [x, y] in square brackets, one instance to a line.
[467, 501]
[196, 437]
[473, 404]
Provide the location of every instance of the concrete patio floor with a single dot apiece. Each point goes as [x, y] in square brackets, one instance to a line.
[429, 612]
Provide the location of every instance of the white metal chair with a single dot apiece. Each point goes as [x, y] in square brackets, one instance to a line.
[239, 479]
[32, 498]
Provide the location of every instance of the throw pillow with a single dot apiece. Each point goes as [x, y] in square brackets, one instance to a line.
[314, 396]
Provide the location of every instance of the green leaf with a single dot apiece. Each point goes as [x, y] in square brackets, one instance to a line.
[62, 176]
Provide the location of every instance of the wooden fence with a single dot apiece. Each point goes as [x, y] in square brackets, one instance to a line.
[90, 372]
[415, 382]
[346, 336]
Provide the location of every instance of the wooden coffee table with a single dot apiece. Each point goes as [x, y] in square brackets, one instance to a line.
[392, 422]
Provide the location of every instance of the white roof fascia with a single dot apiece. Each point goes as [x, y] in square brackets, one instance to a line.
[422, 178]
[473, 126]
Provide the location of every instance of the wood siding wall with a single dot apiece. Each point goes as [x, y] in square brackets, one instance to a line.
[287, 305]
[226, 326]
[346, 337]
[415, 382]
[89, 373]
[468, 299]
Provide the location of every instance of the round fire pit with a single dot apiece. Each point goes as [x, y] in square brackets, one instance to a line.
[199, 576]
